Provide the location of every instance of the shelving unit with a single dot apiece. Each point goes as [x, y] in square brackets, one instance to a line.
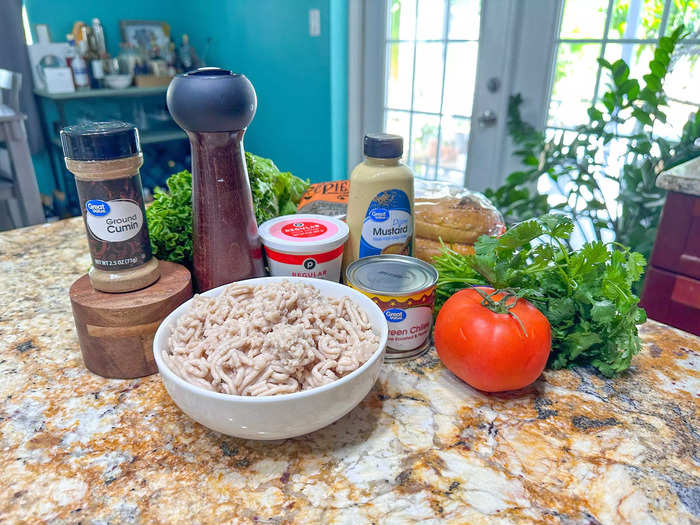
[103, 93]
[148, 137]
[167, 129]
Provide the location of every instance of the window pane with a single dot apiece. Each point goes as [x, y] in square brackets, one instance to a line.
[576, 70]
[464, 19]
[584, 19]
[424, 171]
[431, 16]
[636, 19]
[420, 54]
[424, 147]
[613, 156]
[684, 12]
[400, 77]
[453, 143]
[402, 19]
[397, 122]
[452, 177]
[427, 87]
[677, 114]
[459, 78]
[574, 83]
[682, 80]
[636, 56]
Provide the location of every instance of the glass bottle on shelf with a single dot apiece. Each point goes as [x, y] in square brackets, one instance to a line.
[127, 59]
[141, 62]
[77, 65]
[99, 34]
[93, 59]
[185, 54]
[70, 51]
[154, 50]
[172, 60]
[83, 52]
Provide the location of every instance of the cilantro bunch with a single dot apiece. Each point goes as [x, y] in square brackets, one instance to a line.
[585, 294]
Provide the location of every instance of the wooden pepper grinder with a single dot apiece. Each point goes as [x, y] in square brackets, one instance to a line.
[118, 306]
[214, 106]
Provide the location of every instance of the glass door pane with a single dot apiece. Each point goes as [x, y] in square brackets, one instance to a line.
[431, 56]
[618, 29]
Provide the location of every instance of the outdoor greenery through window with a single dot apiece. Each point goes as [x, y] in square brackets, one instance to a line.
[431, 62]
[630, 30]
[618, 29]
[431, 68]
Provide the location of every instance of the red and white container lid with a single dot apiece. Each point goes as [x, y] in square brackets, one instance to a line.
[303, 233]
[304, 245]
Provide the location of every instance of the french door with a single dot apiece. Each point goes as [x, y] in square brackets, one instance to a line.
[440, 72]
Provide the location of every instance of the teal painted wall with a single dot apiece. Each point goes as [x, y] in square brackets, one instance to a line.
[301, 122]
[339, 87]
[61, 14]
[302, 108]
[269, 42]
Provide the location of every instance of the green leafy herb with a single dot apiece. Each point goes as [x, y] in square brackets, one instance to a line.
[586, 294]
[577, 163]
[169, 218]
[274, 192]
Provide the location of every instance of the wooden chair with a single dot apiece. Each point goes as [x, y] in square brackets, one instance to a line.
[18, 186]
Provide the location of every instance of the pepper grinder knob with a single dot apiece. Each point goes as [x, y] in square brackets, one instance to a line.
[210, 99]
[214, 106]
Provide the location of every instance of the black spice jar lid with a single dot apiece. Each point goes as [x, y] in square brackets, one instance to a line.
[100, 141]
[383, 145]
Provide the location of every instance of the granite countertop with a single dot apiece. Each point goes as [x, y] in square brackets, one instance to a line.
[423, 446]
[684, 178]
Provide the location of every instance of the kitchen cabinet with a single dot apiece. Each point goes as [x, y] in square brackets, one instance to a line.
[574, 447]
[672, 284]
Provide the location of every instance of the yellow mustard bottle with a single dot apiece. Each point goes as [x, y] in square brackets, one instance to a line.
[380, 203]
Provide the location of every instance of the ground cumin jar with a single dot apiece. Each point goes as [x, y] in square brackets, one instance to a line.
[105, 158]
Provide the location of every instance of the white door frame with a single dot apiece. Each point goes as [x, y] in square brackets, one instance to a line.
[367, 24]
[517, 45]
[524, 63]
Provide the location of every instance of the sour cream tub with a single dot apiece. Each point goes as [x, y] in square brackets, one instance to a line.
[304, 245]
[404, 288]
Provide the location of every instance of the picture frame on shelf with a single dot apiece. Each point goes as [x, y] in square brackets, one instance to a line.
[141, 33]
[49, 67]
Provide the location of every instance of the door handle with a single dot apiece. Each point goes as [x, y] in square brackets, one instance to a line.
[487, 118]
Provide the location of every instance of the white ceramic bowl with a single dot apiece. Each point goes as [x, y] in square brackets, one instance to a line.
[118, 81]
[281, 416]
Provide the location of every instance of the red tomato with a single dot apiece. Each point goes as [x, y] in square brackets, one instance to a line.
[488, 350]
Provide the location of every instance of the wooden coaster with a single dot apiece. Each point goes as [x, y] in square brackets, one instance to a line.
[116, 329]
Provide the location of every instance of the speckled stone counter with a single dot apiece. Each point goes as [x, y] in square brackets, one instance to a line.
[572, 448]
[684, 178]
